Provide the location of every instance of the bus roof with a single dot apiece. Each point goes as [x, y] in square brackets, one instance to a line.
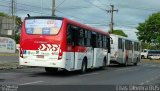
[126, 38]
[69, 21]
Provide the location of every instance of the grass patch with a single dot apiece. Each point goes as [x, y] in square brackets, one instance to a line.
[148, 60]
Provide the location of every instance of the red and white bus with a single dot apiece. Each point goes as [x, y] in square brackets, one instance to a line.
[60, 43]
[124, 51]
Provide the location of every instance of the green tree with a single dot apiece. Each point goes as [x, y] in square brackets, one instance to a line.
[3, 14]
[17, 38]
[149, 31]
[119, 32]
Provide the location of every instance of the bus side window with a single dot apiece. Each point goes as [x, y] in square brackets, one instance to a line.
[123, 45]
[104, 42]
[93, 39]
[119, 43]
[108, 44]
[72, 33]
[111, 40]
[69, 35]
[81, 37]
[126, 45]
[99, 40]
[88, 39]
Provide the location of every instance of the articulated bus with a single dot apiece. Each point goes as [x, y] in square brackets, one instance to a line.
[124, 51]
[57, 43]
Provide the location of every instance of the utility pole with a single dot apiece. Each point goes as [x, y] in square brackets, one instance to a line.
[111, 11]
[53, 7]
[13, 13]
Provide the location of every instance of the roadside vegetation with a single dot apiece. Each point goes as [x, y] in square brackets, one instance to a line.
[149, 32]
[148, 60]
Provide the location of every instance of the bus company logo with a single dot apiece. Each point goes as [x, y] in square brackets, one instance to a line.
[48, 47]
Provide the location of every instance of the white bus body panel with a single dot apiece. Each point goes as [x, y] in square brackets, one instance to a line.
[120, 55]
[70, 60]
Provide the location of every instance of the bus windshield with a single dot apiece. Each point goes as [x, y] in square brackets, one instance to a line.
[43, 26]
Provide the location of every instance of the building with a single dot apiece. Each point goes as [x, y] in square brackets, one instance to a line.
[6, 26]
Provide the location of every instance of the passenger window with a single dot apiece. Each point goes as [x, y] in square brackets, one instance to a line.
[69, 35]
[72, 32]
[111, 40]
[119, 43]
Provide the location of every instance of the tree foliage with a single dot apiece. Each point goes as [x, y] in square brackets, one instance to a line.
[3, 14]
[149, 31]
[119, 32]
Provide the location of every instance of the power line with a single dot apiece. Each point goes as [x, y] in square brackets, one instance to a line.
[102, 3]
[60, 4]
[22, 9]
[76, 7]
[71, 16]
[76, 17]
[94, 5]
[40, 12]
[125, 6]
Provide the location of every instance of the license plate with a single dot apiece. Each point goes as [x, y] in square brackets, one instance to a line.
[40, 56]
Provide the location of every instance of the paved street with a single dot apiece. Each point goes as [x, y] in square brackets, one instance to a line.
[7, 59]
[144, 73]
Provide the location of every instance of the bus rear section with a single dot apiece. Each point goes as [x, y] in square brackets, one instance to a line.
[41, 42]
[59, 43]
[124, 51]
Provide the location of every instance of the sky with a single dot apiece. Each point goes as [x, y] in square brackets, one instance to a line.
[91, 12]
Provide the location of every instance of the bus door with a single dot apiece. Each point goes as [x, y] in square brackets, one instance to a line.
[75, 32]
[94, 42]
[72, 42]
[123, 49]
[133, 53]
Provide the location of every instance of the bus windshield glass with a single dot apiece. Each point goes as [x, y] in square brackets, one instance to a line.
[43, 26]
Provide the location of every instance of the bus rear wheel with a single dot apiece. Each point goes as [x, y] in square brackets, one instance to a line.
[135, 64]
[104, 64]
[126, 62]
[142, 57]
[51, 70]
[83, 67]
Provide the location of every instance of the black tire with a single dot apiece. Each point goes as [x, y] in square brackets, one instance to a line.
[104, 64]
[83, 67]
[135, 64]
[51, 70]
[142, 57]
[126, 62]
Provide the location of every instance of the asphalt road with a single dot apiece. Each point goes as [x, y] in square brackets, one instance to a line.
[6, 59]
[143, 74]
